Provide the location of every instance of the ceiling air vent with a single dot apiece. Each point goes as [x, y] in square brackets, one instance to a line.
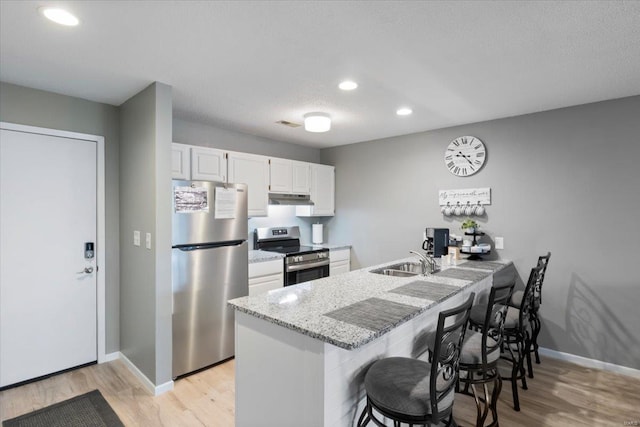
[290, 124]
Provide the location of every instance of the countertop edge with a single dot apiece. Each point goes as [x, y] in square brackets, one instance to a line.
[256, 256]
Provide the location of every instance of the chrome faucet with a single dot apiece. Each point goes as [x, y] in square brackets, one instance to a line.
[427, 261]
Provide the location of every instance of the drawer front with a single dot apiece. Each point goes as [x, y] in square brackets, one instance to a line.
[265, 268]
[340, 255]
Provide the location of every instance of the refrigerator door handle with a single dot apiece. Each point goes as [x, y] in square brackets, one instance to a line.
[187, 248]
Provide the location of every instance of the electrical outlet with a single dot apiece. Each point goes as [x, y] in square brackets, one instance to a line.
[136, 238]
[499, 241]
[147, 240]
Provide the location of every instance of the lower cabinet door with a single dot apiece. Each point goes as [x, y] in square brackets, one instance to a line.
[338, 267]
[261, 285]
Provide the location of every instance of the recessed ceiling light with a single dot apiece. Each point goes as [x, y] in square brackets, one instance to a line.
[404, 111]
[348, 85]
[59, 16]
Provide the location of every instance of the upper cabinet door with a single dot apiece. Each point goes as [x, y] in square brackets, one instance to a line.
[301, 183]
[289, 176]
[252, 170]
[180, 161]
[322, 192]
[208, 164]
[281, 175]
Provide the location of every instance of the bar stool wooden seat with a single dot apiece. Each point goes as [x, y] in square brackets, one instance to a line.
[413, 391]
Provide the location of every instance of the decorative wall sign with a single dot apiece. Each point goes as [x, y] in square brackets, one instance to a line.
[467, 202]
[474, 196]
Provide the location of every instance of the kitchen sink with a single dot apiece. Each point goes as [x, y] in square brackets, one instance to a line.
[412, 267]
[397, 273]
[405, 269]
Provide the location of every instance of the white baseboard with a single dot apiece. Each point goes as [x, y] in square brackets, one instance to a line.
[590, 363]
[155, 390]
[110, 356]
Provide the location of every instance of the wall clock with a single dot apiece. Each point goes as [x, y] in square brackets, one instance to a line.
[465, 155]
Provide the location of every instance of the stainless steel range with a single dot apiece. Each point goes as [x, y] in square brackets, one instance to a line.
[301, 263]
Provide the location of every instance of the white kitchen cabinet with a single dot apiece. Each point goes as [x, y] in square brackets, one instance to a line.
[280, 175]
[301, 177]
[253, 170]
[339, 261]
[180, 161]
[322, 192]
[265, 276]
[289, 176]
[208, 164]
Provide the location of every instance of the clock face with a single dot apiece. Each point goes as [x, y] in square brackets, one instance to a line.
[465, 155]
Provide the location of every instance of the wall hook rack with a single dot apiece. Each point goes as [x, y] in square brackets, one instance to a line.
[470, 201]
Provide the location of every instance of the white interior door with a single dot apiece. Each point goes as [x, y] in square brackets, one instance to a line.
[47, 287]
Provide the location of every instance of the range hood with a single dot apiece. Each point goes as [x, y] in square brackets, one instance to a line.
[290, 199]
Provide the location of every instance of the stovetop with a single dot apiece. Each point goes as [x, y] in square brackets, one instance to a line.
[284, 240]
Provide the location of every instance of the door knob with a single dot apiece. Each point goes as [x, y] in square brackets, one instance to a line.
[87, 270]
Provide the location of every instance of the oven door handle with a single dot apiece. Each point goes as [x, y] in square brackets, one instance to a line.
[307, 266]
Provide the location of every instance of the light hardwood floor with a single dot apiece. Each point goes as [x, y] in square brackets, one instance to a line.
[561, 394]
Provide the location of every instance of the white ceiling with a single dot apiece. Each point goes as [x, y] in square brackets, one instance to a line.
[244, 65]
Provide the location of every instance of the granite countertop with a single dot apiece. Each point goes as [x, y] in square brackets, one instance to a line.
[334, 309]
[261, 256]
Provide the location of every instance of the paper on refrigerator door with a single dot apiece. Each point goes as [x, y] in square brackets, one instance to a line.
[225, 203]
[190, 199]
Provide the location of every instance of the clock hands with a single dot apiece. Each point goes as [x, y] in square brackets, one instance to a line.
[465, 157]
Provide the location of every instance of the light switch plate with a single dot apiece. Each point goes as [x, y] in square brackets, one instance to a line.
[136, 238]
[147, 240]
[499, 241]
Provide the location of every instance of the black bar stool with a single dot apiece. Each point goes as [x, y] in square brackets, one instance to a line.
[536, 325]
[413, 391]
[517, 337]
[481, 352]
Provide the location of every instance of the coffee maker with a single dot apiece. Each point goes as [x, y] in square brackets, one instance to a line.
[437, 242]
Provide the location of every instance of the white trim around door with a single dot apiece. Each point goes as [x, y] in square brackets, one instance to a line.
[101, 214]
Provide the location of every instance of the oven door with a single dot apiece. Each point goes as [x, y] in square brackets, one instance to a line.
[305, 272]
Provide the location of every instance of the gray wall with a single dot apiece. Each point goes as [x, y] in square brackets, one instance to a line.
[564, 181]
[145, 275]
[33, 107]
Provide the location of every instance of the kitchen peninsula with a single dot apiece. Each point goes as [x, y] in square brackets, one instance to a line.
[302, 351]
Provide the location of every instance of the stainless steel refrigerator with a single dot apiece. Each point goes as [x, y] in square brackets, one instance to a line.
[209, 267]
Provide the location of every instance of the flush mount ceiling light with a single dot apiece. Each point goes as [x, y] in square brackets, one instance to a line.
[404, 111]
[59, 16]
[317, 122]
[348, 85]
